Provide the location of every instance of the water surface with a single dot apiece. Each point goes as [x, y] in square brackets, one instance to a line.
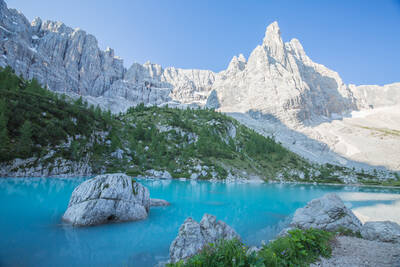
[32, 233]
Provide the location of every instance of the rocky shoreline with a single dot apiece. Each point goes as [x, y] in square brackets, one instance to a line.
[117, 197]
[355, 244]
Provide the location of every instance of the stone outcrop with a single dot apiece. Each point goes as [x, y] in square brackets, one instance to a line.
[326, 213]
[158, 174]
[193, 236]
[385, 231]
[212, 101]
[107, 198]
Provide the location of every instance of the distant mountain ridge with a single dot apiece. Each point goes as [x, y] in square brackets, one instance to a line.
[278, 79]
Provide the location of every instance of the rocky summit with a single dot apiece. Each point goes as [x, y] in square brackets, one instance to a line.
[277, 79]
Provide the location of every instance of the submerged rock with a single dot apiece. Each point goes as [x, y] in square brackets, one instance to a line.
[107, 198]
[193, 236]
[159, 174]
[326, 213]
[155, 202]
[383, 231]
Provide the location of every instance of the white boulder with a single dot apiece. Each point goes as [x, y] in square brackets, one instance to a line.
[107, 198]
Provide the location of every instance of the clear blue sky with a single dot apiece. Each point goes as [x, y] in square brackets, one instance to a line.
[360, 39]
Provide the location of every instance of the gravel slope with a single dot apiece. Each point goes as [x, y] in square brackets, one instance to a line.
[356, 252]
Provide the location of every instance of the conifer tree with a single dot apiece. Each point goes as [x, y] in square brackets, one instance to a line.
[25, 140]
[4, 139]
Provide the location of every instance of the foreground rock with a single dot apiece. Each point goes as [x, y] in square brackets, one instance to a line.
[155, 202]
[326, 213]
[193, 236]
[107, 198]
[352, 251]
[383, 231]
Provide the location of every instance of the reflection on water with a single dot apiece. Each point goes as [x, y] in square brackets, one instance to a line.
[372, 206]
[32, 233]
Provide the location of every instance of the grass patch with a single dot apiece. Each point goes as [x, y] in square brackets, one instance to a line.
[298, 248]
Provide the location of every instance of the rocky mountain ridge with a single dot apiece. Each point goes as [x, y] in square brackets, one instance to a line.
[278, 78]
[278, 86]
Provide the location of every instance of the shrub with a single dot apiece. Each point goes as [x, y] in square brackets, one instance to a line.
[298, 248]
[224, 253]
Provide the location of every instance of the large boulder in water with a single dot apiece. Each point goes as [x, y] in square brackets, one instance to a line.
[193, 236]
[385, 231]
[107, 198]
[326, 213]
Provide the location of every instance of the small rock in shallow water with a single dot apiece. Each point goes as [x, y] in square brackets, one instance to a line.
[155, 202]
[107, 198]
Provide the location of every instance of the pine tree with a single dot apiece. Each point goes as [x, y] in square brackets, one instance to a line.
[34, 87]
[25, 140]
[4, 140]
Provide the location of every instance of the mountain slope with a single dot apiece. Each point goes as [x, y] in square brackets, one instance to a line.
[278, 78]
[47, 134]
[279, 83]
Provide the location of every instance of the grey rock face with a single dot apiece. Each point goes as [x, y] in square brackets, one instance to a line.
[59, 168]
[193, 236]
[383, 231]
[155, 202]
[278, 78]
[107, 198]
[159, 174]
[326, 213]
[212, 100]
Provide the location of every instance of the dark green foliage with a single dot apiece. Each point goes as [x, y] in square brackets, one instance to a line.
[298, 248]
[4, 139]
[33, 119]
[224, 253]
[39, 123]
[25, 144]
[202, 136]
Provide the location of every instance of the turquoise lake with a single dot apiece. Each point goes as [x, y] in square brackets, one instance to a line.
[32, 233]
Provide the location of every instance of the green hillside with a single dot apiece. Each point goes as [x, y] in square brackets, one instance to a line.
[45, 133]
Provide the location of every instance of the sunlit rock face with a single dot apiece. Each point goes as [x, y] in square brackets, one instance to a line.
[278, 78]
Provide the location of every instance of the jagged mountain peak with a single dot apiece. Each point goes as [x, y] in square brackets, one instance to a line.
[237, 63]
[278, 78]
[273, 44]
[272, 30]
